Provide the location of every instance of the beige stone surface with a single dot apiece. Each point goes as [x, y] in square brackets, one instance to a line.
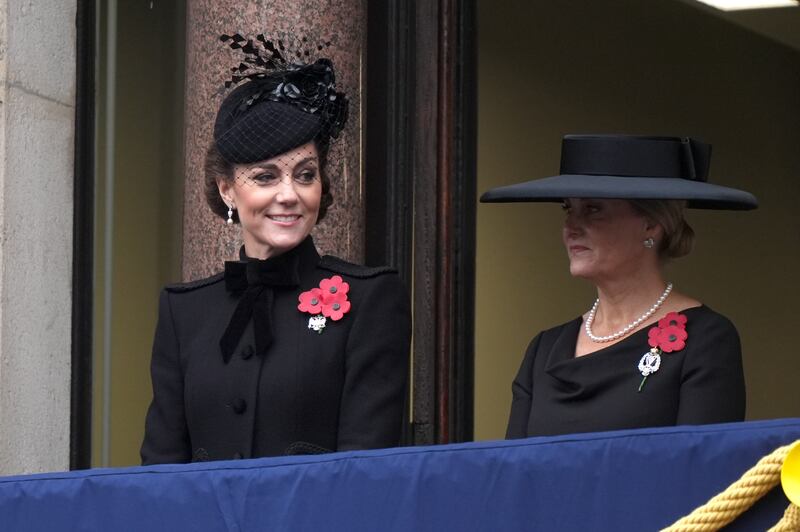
[41, 47]
[37, 42]
[36, 284]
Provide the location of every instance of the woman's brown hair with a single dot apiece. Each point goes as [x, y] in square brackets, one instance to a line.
[678, 235]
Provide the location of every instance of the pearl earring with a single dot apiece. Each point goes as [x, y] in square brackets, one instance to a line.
[649, 243]
[229, 221]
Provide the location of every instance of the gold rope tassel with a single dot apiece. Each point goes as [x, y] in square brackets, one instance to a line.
[739, 496]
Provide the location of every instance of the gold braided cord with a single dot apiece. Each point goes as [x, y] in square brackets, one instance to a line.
[739, 496]
[790, 522]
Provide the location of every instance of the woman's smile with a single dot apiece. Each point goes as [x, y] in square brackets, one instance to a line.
[278, 200]
[286, 220]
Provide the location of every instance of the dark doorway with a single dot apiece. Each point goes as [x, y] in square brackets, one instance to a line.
[420, 204]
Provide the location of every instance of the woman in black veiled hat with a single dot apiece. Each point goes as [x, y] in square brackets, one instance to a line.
[644, 354]
[285, 352]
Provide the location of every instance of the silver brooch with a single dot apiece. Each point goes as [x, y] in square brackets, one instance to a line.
[649, 364]
[317, 323]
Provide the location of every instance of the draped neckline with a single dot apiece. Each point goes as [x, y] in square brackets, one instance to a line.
[563, 352]
[585, 375]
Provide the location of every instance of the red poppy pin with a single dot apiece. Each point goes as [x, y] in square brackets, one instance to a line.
[327, 301]
[668, 336]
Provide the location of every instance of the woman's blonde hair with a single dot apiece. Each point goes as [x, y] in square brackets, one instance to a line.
[678, 235]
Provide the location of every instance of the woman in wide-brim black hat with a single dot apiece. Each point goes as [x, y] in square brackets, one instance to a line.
[644, 354]
[284, 352]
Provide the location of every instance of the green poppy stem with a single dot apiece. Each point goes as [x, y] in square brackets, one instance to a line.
[641, 385]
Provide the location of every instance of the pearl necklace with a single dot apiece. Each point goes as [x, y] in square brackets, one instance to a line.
[628, 328]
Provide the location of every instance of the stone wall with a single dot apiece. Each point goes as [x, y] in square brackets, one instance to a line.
[37, 111]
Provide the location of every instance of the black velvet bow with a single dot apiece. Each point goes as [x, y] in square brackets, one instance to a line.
[257, 279]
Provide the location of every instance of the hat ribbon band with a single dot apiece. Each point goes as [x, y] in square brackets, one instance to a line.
[681, 158]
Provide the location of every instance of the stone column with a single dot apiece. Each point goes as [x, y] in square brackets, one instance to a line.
[37, 122]
[207, 242]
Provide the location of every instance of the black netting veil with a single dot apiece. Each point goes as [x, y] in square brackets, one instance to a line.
[278, 105]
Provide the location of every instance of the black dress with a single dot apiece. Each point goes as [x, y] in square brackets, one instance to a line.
[282, 387]
[557, 393]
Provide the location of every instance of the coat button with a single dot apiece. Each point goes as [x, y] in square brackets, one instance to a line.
[239, 405]
[248, 352]
[238, 456]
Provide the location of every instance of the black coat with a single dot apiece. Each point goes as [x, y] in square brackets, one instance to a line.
[340, 389]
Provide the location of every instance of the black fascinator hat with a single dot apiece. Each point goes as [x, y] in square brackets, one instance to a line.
[279, 105]
[630, 167]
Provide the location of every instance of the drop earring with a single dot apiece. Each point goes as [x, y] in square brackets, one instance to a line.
[649, 243]
[229, 221]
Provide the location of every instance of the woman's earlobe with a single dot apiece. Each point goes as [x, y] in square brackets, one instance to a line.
[653, 229]
[224, 188]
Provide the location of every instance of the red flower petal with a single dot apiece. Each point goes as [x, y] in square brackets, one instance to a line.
[654, 336]
[330, 299]
[336, 307]
[672, 319]
[333, 286]
[674, 346]
[672, 338]
[310, 301]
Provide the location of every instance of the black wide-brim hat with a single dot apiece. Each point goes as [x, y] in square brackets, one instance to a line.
[629, 167]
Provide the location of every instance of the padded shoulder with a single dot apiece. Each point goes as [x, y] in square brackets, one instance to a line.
[177, 288]
[337, 265]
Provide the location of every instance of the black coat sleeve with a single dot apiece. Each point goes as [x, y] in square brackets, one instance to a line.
[166, 437]
[376, 368]
[712, 378]
[522, 391]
